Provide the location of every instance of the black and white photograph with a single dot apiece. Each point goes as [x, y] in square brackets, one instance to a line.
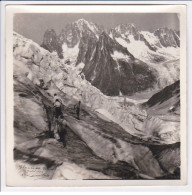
[97, 95]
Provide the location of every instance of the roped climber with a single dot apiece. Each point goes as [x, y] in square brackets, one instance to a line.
[78, 108]
[57, 108]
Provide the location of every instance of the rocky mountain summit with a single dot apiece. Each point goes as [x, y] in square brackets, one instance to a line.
[113, 70]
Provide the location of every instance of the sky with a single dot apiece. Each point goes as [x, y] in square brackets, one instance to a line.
[34, 25]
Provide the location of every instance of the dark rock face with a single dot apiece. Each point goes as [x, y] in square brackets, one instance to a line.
[51, 42]
[69, 35]
[169, 159]
[168, 37]
[115, 76]
[167, 101]
[165, 94]
[86, 47]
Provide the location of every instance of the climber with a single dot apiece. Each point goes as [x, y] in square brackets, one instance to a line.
[57, 114]
[47, 107]
[62, 129]
[77, 107]
[57, 108]
[41, 85]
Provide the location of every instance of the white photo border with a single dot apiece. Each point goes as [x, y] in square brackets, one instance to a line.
[3, 78]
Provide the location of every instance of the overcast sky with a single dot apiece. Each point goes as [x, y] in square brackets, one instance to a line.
[34, 25]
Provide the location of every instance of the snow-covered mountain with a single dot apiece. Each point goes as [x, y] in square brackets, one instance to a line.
[73, 32]
[128, 32]
[76, 39]
[81, 44]
[155, 49]
[145, 45]
[113, 70]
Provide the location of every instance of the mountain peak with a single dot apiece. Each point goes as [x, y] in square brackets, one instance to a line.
[124, 27]
[84, 25]
[162, 29]
[125, 30]
[50, 42]
[128, 25]
[50, 31]
[104, 34]
[82, 20]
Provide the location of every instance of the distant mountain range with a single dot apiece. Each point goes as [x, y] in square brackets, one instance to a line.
[116, 61]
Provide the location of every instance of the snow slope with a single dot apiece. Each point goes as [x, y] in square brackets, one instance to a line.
[168, 66]
[70, 53]
[150, 37]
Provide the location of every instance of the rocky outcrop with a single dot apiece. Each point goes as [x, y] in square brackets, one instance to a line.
[113, 70]
[168, 37]
[51, 42]
[171, 92]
